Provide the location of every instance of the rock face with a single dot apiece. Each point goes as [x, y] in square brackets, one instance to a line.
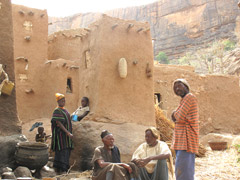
[177, 26]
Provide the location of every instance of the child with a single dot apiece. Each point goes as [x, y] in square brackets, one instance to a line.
[83, 110]
[41, 136]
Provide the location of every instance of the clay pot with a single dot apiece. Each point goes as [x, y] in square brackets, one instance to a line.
[31, 155]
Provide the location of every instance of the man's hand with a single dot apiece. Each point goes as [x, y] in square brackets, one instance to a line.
[141, 162]
[127, 167]
[173, 117]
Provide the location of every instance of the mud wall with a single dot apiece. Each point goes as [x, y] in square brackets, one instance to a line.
[30, 52]
[218, 97]
[38, 79]
[8, 116]
[127, 99]
[56, 75]
[66, 44]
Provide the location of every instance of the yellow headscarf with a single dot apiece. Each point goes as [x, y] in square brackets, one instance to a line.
[59, 96]
[154, 131]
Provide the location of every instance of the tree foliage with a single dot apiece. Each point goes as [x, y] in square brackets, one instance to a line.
[162, 58]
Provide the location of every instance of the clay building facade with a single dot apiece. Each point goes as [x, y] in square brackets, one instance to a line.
[37, 78]
[83, 62]
[97, 51]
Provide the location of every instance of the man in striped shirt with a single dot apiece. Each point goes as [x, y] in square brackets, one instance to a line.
[186, 132]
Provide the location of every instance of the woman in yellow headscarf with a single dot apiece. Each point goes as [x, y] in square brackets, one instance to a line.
[62, 136]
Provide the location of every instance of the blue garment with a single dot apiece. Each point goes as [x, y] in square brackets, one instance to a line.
[185, 165]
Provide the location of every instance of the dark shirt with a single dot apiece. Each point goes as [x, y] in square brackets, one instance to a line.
[60, 140]
[102, 153]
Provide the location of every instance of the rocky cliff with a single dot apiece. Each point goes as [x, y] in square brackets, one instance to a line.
[176, 26]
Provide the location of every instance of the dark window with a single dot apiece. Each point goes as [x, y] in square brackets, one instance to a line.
[157, 99]
[69, 85]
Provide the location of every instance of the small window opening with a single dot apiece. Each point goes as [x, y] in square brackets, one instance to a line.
[157, 99]
[69, 85]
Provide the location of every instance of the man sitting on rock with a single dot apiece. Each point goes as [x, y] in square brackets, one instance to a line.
[151, 157]
[107, 163]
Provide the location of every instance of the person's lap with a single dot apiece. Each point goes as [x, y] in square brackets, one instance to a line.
[160, 172]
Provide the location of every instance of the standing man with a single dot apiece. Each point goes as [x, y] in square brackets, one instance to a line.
[186, 132]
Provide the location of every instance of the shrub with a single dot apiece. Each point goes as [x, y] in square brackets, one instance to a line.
[162, 58]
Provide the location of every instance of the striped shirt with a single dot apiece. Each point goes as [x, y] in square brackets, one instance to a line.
[60, 140]
[186, 132]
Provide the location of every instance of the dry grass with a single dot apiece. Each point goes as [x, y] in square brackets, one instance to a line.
[164, 125]
[218, 165]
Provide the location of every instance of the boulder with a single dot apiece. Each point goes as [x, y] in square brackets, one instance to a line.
[7, 150]
[8, 175]
[21, 171]
[216, 137]
[47, 172]
[128, 136]
[6, 169]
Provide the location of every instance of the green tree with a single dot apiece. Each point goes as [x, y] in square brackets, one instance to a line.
[162, 58]
[228, 45]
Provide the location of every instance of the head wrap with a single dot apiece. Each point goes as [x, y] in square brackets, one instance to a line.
[104, 133]
[184, 81]
[59, 96]
[154, 131]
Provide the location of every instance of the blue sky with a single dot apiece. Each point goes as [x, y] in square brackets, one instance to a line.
[61, 8]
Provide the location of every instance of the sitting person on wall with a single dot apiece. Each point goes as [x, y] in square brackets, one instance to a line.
[107, 163]
[82, 111]
[151, 157]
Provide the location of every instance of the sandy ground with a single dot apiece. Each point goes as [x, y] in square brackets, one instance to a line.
[216, 165]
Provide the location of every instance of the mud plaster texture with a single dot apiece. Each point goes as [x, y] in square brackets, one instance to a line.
[8, 116]
[118, 99]
[89, 57]
[218, 97]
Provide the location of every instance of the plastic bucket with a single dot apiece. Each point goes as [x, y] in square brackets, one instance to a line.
[7, 88]
[75, 118]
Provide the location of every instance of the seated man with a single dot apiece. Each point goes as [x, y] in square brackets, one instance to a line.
[107, 163]
[151, 157]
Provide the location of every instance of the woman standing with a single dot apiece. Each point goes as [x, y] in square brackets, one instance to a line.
[62, 136]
